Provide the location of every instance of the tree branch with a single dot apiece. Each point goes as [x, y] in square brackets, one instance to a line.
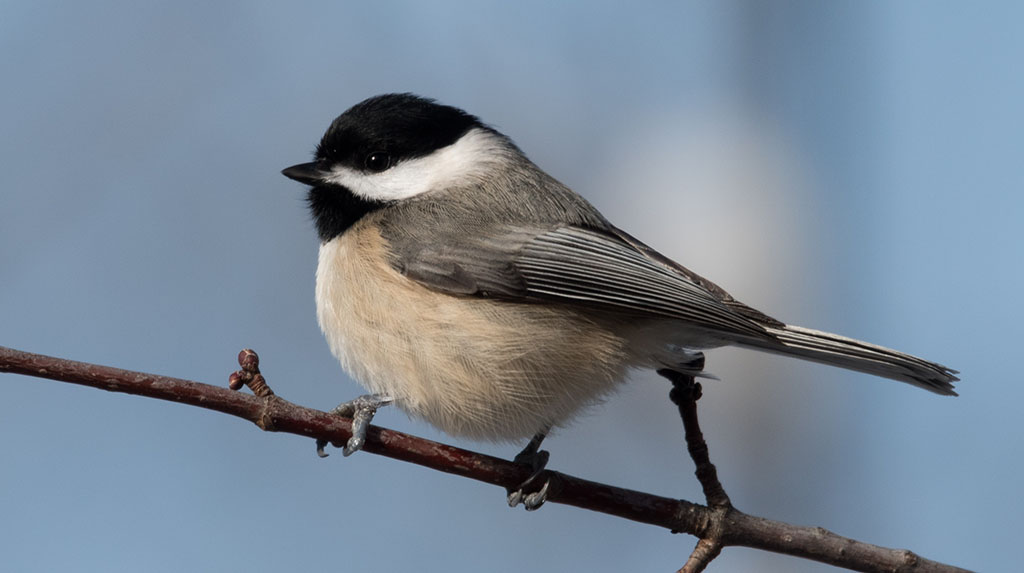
[272, 413]
[684, 394]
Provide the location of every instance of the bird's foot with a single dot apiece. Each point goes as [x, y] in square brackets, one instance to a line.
[536, 459]
[361, 410]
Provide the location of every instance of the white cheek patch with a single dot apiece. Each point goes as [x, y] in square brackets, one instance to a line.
[446, 167]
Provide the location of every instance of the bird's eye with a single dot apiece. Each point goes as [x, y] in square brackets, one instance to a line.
[378, 161]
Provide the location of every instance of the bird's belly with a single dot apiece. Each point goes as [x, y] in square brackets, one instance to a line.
[473, 367]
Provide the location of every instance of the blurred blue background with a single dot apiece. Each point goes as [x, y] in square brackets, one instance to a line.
[849, 166]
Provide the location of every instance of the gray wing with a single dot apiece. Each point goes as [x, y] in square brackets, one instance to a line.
[574, 265]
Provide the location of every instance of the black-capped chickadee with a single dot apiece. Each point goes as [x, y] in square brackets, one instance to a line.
[472, 289]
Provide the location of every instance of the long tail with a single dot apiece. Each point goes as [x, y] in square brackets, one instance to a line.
[836, 350]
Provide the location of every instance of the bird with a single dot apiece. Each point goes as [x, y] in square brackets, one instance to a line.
[462, 283]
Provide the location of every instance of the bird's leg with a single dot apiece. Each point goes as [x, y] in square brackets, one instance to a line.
[361, 410]
[536, 459]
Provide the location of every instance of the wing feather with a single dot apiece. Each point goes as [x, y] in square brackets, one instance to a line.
[597, 267]
[567, 264]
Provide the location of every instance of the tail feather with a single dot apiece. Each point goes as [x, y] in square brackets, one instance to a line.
[836, 350]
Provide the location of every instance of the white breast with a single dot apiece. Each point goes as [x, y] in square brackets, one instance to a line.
[470, 366]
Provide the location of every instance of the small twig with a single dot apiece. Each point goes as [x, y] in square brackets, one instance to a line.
[702, 555]
[684, 394]
[723, 523]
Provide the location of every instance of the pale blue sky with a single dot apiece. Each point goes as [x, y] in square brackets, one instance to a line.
[851, 166]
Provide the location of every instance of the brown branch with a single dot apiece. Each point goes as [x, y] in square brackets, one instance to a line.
[701, 557]
[730, 526]
[684, 394]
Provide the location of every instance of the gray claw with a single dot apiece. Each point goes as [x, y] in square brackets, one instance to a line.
[535, 500]
[515, 497]
[361, 410]
[531, 501]
[536, 459]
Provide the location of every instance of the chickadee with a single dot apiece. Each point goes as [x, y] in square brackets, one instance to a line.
[460, 281]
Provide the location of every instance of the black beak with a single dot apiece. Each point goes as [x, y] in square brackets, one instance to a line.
[308, 173]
